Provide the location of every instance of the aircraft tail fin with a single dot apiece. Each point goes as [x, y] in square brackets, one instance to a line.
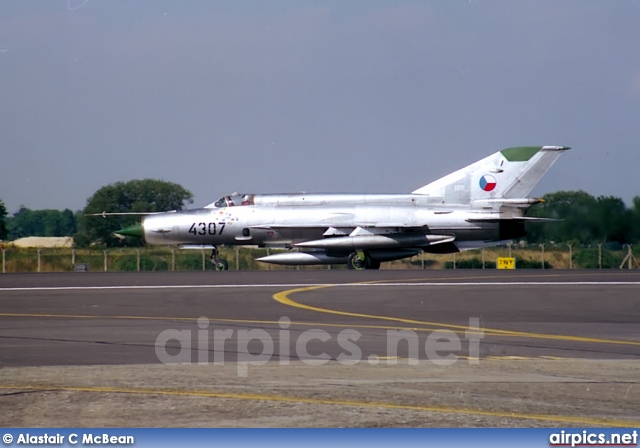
[507, 174]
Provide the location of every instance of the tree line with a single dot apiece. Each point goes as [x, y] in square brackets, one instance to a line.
[584, 219]
[27, 222]
[136, 196]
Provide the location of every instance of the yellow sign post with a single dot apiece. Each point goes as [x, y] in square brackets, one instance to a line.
[506, 263]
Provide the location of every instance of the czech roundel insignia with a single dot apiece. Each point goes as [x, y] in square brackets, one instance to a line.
[487, 182]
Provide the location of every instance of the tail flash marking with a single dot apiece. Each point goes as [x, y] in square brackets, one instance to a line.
[510, 173]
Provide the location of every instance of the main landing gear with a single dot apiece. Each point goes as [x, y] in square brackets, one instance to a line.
[218, 263]
[360, 260]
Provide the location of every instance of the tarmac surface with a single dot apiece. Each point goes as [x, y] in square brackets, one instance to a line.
[121, 318]
[320, 348]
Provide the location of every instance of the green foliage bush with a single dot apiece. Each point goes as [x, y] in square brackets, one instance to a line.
[588, 259]
[417, 262]
[523, 263]
[3, 226]
[476, 263]
[147, 263]
[471, 263]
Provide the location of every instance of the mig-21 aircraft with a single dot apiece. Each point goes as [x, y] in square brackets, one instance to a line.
[477, 206]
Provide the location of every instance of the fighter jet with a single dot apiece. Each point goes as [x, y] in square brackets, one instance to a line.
[477, 206]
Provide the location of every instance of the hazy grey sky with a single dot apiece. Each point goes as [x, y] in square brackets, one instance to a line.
[326, 96]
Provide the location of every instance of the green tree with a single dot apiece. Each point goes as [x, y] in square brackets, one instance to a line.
[584, 219]
[3, 225]
[612, 220]
[136, 196]
[634, 220]
[575, 209]
[41, 223]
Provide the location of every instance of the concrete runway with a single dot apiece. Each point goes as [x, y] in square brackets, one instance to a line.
[117, 318]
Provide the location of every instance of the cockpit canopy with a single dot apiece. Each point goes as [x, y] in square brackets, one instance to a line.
[233, 200]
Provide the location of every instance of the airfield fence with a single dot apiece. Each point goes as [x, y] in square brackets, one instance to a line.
[544, 256]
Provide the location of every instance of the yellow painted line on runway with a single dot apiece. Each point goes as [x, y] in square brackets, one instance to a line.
[586, 421]
[87, 316]
[283, 298]
[510, 358]
[229, 321]
[175, 318]
[473, 358]
[245, 321]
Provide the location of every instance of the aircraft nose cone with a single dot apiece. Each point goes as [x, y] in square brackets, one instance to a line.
[134, 230]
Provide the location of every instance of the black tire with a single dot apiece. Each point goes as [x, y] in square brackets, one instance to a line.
[221, 265]
[355, 263]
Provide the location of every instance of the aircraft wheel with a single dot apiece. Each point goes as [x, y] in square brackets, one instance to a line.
[374, 264]
[358, 261]
[221, 265]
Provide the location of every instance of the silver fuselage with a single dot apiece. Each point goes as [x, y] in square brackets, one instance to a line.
[287, 219]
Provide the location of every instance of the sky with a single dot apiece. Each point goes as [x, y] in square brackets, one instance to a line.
[360, 96]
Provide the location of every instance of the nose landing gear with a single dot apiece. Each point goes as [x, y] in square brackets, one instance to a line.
[218, 263]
